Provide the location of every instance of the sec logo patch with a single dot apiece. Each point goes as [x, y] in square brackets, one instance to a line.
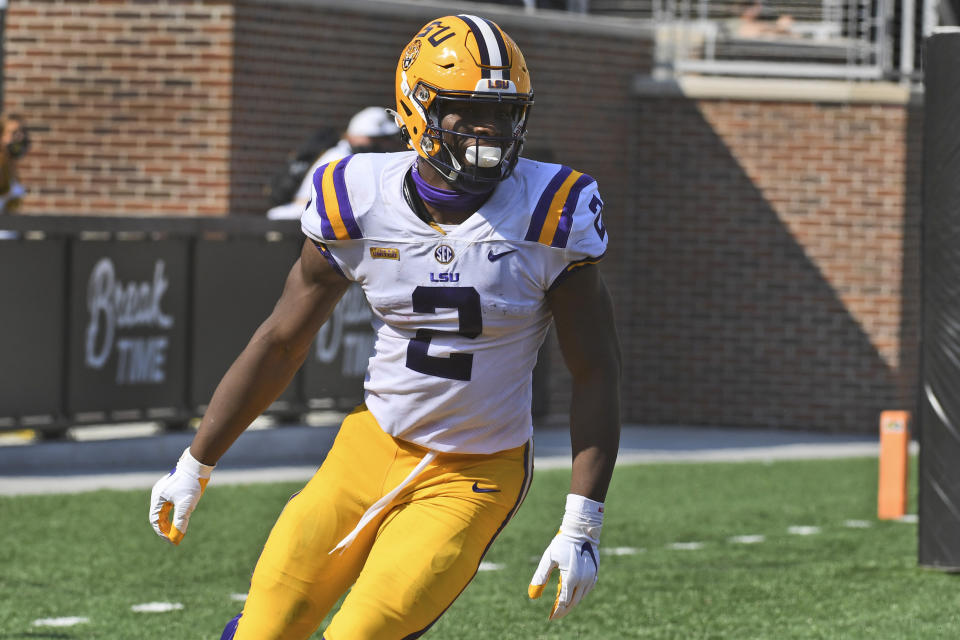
[443, 254]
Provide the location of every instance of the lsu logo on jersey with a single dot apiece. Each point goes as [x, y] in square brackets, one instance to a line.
[444, 277]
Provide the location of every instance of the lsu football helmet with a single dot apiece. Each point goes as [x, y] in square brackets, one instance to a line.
[466, 59]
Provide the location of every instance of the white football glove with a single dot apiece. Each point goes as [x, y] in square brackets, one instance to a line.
[575, 551]
[179, 491]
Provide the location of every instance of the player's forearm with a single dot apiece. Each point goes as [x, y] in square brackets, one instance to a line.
[594, 433]
[257, 377]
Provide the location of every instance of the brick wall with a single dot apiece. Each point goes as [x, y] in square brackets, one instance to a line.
[764, 256]
[777, 266]
[128, 104]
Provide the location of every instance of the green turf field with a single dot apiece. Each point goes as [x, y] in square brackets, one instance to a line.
[94, 556]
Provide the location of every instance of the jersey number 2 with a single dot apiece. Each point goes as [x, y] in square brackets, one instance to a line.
[466, 301]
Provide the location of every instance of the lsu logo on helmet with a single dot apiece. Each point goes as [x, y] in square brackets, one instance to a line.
[468, 59]
[413, 49]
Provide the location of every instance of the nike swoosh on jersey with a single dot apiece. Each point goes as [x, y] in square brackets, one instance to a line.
[478, 489]
[493, 257]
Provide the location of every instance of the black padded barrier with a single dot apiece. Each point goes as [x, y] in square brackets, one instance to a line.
[939, 410]
[236, 283]
[32, 306]
[343, 346]
[108, 319]
[127, 325]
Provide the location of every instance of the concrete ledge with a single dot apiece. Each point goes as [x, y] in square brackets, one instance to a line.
[293, 453]
[775, 90]
[294, 445]
[554, 20]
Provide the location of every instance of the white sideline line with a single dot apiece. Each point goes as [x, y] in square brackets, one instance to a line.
[67, 621]
[803, 530]
[31, 485]
[156, 607]
[747, 454]
[26, 485]
[620, 551]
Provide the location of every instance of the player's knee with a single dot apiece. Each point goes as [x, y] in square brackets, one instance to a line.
[296, 617]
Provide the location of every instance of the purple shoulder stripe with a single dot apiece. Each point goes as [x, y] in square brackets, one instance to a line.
[566, 218]
[326, 229]
[343, 200]
[543, 205]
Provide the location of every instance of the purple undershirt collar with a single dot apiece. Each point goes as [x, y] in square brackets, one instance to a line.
[446, 199]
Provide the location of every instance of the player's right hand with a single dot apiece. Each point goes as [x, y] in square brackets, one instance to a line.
[179, 491]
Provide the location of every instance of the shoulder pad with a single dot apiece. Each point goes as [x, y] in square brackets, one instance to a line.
[338, 200]
[553, 215]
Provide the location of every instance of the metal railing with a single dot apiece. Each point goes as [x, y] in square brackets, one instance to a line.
[840, 39]
[829, 39]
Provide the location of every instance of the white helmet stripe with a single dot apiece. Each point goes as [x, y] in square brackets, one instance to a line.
[493, 51]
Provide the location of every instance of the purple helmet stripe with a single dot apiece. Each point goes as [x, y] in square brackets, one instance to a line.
[566, 217]
[343, 200]
[470, 21]
[501, 45]
[543, 205]
[326, 229]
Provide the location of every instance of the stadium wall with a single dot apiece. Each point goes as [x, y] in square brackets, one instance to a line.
[764, 256]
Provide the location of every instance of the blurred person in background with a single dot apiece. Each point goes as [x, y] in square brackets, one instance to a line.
[761, 21]
[14, 144]
[371, 130]
[281, 188]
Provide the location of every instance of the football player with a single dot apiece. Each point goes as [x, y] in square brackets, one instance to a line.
[466, 252]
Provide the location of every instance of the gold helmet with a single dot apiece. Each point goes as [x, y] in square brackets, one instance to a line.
[467, 59]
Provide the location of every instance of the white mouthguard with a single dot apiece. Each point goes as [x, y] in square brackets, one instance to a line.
[489, 156]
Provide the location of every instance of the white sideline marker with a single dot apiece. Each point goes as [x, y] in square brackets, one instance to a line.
[238, 597]
[857, 524]
[910, 518]
[685, 546]
[490, 566]
[748, 539]
[620, 551]
[803, 530]
[156, 607]
[67, 621]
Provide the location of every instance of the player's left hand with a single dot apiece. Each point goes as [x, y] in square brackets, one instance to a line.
[179, 491]
[575, 552]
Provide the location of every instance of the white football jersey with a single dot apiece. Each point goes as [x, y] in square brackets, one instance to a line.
[459, 315]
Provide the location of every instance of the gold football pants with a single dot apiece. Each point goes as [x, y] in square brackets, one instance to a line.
[407, 565]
